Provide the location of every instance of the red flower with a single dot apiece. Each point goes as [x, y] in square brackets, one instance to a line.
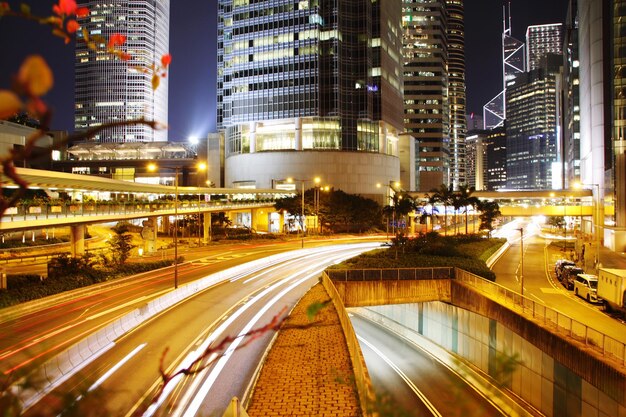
[166, 60]
[72, 26]
[82, 12]
[65, 7]
[115, 40]
[125, 57]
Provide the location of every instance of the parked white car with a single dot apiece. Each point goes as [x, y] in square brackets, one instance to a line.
[586, 286]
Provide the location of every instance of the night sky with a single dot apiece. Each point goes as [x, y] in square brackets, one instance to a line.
[193, 25]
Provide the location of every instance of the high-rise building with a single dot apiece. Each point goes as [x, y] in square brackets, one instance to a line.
[456, 92]
[542, 40]
[108, 89]
[426, 106]
[570, 93]
[310, 89]
[494, 151]
[475, 160]
[531, 126]
[601, 37]
[513, 64]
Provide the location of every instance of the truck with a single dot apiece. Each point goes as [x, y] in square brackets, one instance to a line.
[612, 288]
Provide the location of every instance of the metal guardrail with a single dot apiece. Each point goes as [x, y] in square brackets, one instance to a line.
[553, 319]
[397, 274]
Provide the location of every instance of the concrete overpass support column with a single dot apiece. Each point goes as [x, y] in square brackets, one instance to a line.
[260, 220]
[77, 240]
[206, 230]
[281, 222]
[149, 235]
[165, 224]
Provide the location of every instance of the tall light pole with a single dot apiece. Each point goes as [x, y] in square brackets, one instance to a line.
[153, 167]
[391, 186]
[202, 167]
[316, 180]
[521, 244]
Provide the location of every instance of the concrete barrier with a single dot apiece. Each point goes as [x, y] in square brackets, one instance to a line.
[361, 376]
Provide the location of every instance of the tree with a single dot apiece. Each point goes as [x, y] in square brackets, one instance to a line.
[120, 243]
[425, 214]
[465, 196]
[489, 211]
[443, 195]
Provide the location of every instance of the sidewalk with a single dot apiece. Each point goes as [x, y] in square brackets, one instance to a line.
[607, 258]
[308, 371]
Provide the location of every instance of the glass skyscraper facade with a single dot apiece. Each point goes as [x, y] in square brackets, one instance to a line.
[108, 89]
[531, 127]
[426, 105]
[303, 75]
[456, 92]
[307, 76]
[542, 40]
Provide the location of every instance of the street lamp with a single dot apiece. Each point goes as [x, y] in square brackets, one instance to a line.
[392, 185]
[521, 243]
[202, 167]
[152, 167]
[316, 201]
[290, 180]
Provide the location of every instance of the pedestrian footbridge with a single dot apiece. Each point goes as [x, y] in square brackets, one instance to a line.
[94, 200]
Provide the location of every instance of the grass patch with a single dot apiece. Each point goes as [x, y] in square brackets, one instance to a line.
[467, 252]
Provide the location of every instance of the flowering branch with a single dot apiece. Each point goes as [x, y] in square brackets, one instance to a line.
[35, 79]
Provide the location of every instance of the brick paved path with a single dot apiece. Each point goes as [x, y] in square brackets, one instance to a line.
[308, 371]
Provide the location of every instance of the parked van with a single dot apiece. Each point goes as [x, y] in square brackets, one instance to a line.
[586, 286]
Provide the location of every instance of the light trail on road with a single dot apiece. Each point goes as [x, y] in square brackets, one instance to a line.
[188, 325]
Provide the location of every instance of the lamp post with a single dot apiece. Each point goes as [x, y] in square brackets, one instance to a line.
[392, 185]
[153, 167]
[290, 180]
[202, 167]
[521, 243]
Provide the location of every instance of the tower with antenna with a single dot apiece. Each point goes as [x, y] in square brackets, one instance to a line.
[513, 64]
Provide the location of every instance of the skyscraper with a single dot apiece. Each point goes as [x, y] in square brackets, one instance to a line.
[456, 92]
[426, 106]
[513, 64]
[570, 130]
[542, 40]
[601, 37]
[108, 89]
[531, 126]
[310, 88]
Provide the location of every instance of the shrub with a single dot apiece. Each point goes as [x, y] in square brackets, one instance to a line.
[432, 250]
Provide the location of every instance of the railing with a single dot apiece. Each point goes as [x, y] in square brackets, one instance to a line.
[553, 319]
[390, 274]
[59, 211]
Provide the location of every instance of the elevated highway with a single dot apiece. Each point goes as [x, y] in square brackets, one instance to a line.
[101, 200]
